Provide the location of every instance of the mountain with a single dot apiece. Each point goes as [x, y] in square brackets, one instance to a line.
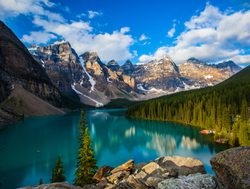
[229, 66]
[223, 108]
[128, 68]
[158, 76]
[61, 64]
[113, 65]
[97, 83]
[23, 81]
[202, 73]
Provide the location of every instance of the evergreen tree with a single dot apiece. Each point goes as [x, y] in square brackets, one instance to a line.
[40, 181]
[86, 163]
[58, 172]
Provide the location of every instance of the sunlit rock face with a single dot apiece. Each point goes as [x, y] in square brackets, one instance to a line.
[159, 74]
[205, 74]
[61, 64]
[96, 82]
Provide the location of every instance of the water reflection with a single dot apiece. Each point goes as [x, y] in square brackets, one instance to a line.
[29, 149]
[120, 139]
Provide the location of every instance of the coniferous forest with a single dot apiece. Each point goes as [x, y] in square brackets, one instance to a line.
[224, 108]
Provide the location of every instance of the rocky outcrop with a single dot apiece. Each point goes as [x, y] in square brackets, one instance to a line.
[18, 68]
[149, 175]
[232, 168]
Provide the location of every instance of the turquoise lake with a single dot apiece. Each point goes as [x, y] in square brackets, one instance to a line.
[29, 149]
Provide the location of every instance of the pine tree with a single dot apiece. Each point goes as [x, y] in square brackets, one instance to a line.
[58, 172]
[86, 164]
[40, 181]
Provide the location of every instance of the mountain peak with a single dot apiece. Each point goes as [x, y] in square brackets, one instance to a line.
[113, 65]
[195, 61]
[112, 62]
[91, 56]
[229, 65]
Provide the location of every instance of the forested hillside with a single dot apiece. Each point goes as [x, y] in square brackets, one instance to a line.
[223, 108]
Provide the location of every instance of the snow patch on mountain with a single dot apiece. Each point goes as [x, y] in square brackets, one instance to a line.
[91, 80]
[98, 104]
[208, 76]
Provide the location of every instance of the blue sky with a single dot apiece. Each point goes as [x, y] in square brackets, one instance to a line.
[140, 30]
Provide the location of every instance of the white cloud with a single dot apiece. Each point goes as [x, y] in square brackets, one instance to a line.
[115, 45]
[10, 8]
[38, 37]
[241, 59]
[51, 25]
[211, 36]
[171, 32]
[92, 14]
[125, 30]
[143, 37]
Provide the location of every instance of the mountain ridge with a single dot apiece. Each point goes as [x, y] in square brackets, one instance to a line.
[158, 77]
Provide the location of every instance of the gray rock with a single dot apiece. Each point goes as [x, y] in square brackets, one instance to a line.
[195, 181]
[153, 181]
[232, 168]
[177, 165]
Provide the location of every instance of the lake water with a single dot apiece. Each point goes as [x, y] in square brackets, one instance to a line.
[28, 149]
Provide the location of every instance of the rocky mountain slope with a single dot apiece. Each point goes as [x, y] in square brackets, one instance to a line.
[95, 82]
[98, 83]
[18, 69]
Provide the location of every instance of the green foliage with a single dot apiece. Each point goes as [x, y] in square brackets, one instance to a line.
[86, 163]
[223, 108]
[58, 172]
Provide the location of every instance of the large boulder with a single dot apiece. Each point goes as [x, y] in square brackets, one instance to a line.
[128, 166]
[178, 165]
[194, 181]
[151, 167]
[232, 168]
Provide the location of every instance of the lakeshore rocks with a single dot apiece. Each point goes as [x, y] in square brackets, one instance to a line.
[232, 168]
[177, 165]
[149, 175]
[128, 166]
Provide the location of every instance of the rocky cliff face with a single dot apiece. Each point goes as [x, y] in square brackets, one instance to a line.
[229, 66]
[160, 76]
[203, 73]
[61, 64]
[97, 83]
[18, 68]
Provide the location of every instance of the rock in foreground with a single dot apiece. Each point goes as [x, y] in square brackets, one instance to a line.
[232, 168]
[195, 181]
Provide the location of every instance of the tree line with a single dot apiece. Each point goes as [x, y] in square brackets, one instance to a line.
[223, 108]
